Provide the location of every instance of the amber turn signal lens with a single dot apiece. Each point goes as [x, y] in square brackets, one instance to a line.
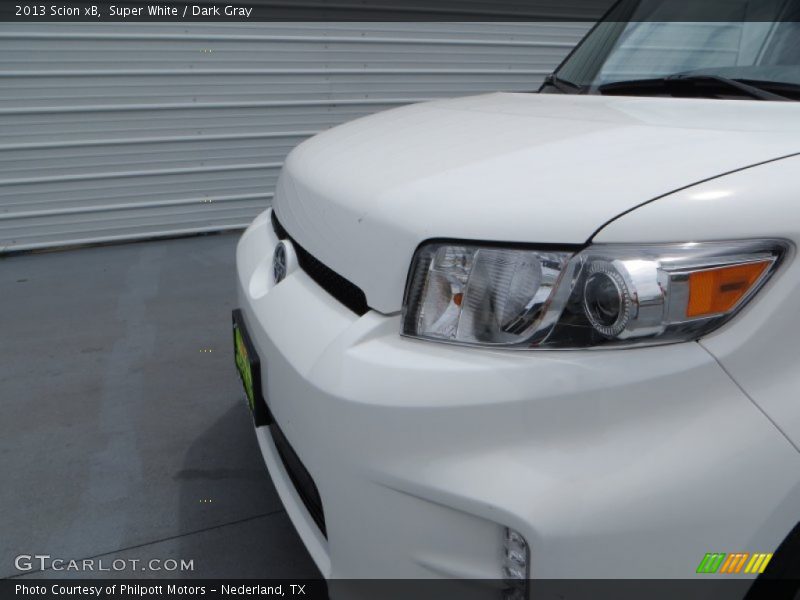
[716, 291]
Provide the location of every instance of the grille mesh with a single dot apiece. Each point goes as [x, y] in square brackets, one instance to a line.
[337, 286]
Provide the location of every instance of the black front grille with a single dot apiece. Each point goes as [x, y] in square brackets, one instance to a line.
[337, 286]
[278, 228]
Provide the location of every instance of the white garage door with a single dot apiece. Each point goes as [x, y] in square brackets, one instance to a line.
[126, 131]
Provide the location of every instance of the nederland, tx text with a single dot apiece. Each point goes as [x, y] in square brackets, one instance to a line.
[146, 591]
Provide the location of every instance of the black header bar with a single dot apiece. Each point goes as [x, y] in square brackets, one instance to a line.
[391, 10]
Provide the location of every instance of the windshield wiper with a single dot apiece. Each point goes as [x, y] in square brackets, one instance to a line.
[687, 86]
[562, 85]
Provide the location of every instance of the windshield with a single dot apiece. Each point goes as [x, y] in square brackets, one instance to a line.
[650, 39]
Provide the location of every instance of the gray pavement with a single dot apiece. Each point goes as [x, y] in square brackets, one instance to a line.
[123, 432]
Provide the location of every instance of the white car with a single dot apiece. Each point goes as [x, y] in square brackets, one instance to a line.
[520, 336]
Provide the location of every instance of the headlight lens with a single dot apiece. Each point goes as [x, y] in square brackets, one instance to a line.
[603, 295]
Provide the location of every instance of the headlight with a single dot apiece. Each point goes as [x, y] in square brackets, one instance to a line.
[603, 295]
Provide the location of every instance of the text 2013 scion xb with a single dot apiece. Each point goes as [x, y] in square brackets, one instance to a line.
[554, 335]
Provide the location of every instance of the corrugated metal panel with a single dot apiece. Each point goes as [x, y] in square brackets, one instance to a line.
[123, 131]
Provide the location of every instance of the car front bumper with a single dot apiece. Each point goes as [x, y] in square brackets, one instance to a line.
[612, 463]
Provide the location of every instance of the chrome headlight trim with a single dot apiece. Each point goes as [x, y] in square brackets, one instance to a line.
[471, 293]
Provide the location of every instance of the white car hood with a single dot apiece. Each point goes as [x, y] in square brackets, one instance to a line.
[533, 168]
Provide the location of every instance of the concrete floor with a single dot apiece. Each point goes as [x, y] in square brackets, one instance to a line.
[124, 433]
